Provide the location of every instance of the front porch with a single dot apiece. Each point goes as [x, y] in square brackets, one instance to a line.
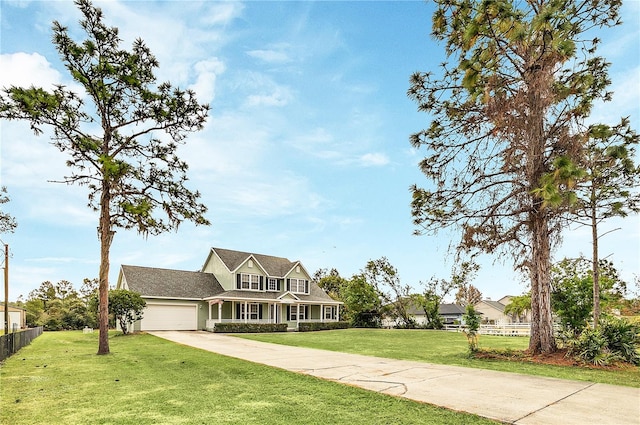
[265, 312]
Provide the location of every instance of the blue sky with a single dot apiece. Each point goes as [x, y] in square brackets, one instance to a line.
[305, 154]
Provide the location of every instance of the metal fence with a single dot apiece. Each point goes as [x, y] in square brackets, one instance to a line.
[11, 343]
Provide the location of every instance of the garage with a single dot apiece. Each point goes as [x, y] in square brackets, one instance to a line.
[170, 317]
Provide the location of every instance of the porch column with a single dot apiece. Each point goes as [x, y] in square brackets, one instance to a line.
[297, 316]
[245, 311]
[220, 311]
[209, 310]
[322, 313]
[338, 313]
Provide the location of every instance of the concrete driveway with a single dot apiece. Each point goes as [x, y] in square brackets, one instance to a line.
[506, 397]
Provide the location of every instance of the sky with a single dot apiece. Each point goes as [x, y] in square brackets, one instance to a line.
[305, 154]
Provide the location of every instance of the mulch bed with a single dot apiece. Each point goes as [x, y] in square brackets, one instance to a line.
[559, 358]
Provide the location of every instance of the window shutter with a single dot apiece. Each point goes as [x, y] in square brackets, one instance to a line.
[260, 310]
[306, 286]
[288, 312]
[261, 285]
[306, 312]
[238, 281]
[288, 284]
[237, 311]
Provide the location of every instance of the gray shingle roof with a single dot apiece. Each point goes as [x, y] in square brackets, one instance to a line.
[443, 309]
[495, 304]
[450, 309]
[274, 266]
[154, 282]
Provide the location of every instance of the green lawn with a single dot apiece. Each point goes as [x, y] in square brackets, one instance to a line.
[440, 347]
[59, 379]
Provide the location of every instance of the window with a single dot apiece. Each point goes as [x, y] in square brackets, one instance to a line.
[250, 281]
[272, 284]
[296, 312]
[328, 313]
[297, 286]
[252, 312]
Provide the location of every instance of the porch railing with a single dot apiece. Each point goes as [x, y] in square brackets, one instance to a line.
[210, 323]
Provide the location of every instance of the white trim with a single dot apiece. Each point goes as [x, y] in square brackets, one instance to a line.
[288, 293]
[226, 298]
[250, 282]
[194, 306]
[295, 264]
[266, 287]
[213, 251]
[305, 282]
[151, 297]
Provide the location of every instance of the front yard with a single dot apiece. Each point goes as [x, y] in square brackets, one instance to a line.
[59, 379]
[443, 348]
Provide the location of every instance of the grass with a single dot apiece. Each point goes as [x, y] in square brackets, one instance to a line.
[443, 348]
[58, 379]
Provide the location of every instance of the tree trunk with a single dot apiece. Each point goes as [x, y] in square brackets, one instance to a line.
[542, 338]
[595, 263]
[105, 235]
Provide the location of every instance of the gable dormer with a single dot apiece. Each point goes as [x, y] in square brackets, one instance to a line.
[297, 279]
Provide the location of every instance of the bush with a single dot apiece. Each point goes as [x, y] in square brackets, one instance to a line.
[472, 324]
[614, 340]
[249, 327]
[622, 338]
[319, 326]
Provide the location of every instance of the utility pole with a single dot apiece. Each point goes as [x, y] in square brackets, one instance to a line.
[6, 289]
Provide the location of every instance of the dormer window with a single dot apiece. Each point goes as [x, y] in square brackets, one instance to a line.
[299, 286]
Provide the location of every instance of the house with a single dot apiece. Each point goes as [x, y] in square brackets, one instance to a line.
[17, 317]
[493, 312]
[231, 286]
[450, 314]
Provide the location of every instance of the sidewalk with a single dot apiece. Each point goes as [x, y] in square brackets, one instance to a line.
[507, 397]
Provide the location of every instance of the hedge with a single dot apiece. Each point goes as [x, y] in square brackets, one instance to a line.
[320, 326]
[250, 327]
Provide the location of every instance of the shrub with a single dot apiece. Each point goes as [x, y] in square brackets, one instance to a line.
[614, 340]
[472, 324]
[622, 338]
[319, 326]
[250, 327]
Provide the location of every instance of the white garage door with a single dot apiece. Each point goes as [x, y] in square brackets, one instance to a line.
[170, 317]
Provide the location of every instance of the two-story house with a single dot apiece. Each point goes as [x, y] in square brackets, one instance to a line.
[232, 286]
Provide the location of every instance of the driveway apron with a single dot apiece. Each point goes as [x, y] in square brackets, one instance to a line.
[506, 397]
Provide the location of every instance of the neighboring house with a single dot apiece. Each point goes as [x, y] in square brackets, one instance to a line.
[17, 317]
[232, 286]
[493, 312]
[450, 313]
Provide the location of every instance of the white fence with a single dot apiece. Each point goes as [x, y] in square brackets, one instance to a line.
[512, 329]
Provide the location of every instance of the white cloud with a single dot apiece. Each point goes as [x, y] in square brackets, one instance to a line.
[207, 72]
[275, 54]
[373, 159]
[278, 96]
[626, 92]
[24, 70]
